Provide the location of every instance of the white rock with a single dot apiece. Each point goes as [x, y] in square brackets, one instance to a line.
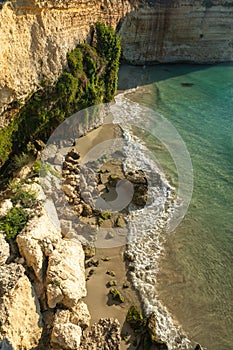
[30, 242]
[20, 315]
[66, 336]
[5, 206]
[4, 250]
[66, 272]
[36, 189]
[78, 315]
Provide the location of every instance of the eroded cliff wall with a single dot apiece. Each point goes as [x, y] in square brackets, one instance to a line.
[179, 31]
[36, 35]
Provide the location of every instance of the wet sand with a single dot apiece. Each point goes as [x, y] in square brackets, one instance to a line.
[100, 304]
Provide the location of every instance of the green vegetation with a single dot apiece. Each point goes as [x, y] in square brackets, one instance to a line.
[43, 169]
[90, 79]
[16, 218]
[22, 197]
[13, 223]
[103, 216]
[108, 47]
[135, 319]
[21, 160]
[116, 295]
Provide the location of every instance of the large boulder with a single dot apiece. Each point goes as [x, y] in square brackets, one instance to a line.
[20, 317]
[37, 240]
[78, 315]
[66, 333]
[66, 274]
[66, 336]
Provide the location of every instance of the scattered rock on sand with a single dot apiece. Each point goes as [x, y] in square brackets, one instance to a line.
[151, 327]
[92, 262]
[111, 283]
[105, 258]
[116, 295]
[111, 273]
[120, 221]
[89, 250]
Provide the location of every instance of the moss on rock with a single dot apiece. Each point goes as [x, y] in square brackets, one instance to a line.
[116, 295]
[134, 318]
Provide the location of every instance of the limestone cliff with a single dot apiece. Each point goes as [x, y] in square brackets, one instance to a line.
[179, 31]
[35, 36]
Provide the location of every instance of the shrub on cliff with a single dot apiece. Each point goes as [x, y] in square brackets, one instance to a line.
[108, 47]
[13, 223]
[90, 79]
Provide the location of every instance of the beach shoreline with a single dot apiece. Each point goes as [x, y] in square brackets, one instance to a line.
[98, 299]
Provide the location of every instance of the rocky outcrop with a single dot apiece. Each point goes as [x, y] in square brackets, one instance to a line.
[37, 241]
[179, 31]
[45, 308]
[20, 317]
[68, 325]
[103, 335]
[4, 250]
[5, 205]
[65, 274]
[36, 35]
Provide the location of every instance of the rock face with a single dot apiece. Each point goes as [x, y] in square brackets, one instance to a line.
[36, 35]
[20, 318]
[104, 335]
[56, 286]
[36, 242]
[4, 250]
[65, 274]
[179, 31]
[68, 325]
[66, 336]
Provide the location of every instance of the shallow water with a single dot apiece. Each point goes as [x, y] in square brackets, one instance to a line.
[195, 280]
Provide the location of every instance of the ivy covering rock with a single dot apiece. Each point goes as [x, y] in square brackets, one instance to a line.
[89, 79]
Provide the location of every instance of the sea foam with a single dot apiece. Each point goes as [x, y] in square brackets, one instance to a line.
[147, 228]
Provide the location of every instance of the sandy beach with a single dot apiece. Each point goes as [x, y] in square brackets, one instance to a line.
[99, 302]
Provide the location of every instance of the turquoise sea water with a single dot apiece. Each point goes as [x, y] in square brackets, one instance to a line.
[195, 281]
